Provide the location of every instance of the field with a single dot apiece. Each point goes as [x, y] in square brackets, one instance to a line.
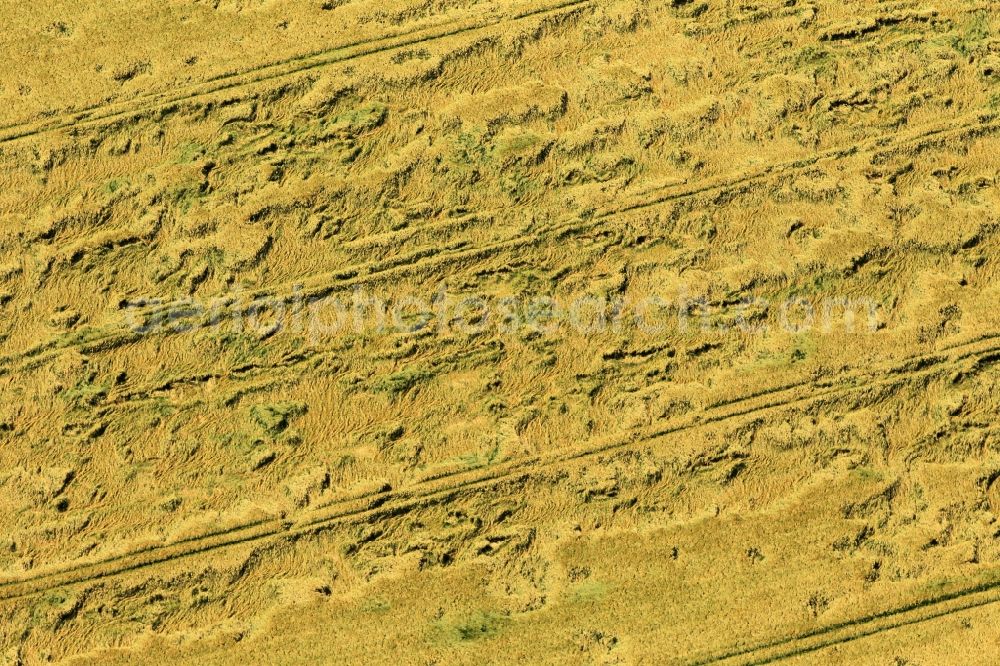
[499, 331]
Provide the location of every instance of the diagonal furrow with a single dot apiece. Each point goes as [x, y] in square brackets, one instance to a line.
[434, 489]
[924, 610]
[349, 277]
[886, 143]
[104, 114]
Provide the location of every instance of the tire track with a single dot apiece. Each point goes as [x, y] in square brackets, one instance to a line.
[352, 276]
[924, 610]
[151, 102]
[723, 184]
[431, 490]
[885, 143]
[888, 143]
[180, 320]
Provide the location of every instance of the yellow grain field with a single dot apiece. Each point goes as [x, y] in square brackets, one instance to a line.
[499, 331]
